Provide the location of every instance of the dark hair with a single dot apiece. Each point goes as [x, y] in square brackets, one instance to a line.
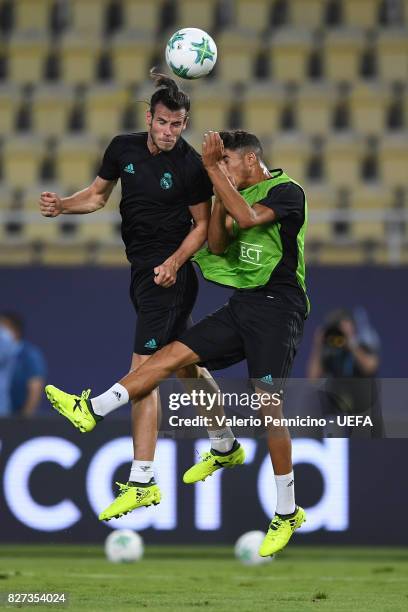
[168, 93]
[14, 320]
[238, 139]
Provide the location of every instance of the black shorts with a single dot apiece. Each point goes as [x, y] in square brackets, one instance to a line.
[250, 326]
[162, 314]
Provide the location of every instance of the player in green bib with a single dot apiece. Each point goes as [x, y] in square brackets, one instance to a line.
[255, 246]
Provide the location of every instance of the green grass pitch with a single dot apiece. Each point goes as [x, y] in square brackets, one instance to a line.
[209, 578]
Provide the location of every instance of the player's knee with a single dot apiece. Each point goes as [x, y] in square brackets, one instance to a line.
[177, 355]
[189, 371]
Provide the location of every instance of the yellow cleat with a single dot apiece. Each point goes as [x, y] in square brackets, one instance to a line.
[76, 408]
[211, 462]
[280, 531]
[131, 496]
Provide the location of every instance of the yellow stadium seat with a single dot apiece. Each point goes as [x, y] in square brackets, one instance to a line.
[367, 229]
[111, 256]
[343, 155]
[6, 197]
[142, 15]
[236, 56]
[360, 13]
[392, 48]
[252, 14]
[343, 48]
[9, 96]
[318, 231]
[87, 16]
[43, 230]
[21, 160]
[197, 13]
[27, 54]
[368, 103]
[320, 197]
[131, 57]
[315, 108]
[370, 196]
[346, 254]
[32, 14]
[394, 159]
[210, 107]
[101, 232]
[104, 108]
[78, 58]
[76, 161]
[51, 106]
[289, 50]
[306, 13]
[64, 255]
[262, 108]
[289, 152]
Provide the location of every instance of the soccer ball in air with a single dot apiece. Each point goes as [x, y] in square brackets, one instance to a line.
[124, 546]
[191, 53]
[247, 546]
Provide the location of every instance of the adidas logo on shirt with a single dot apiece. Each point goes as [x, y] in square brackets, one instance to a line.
[129, 169]
[151, 344]
[267, 379]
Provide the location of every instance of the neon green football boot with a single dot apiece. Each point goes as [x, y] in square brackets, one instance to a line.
[212, 461]
[131, 496]
[280, 531]
[76, 408]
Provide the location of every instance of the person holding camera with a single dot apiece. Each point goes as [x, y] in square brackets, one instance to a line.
[345, 353]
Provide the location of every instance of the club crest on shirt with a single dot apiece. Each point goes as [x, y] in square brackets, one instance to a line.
[166, 181]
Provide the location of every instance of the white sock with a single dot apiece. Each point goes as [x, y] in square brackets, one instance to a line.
[285, 498]
[141, 471]
[222, 440]
[113, 398]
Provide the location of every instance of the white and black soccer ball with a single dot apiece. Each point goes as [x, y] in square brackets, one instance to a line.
[191, 53]
[247, 546]
[124, 546]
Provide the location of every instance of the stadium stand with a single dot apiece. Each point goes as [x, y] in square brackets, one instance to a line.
[322, 82]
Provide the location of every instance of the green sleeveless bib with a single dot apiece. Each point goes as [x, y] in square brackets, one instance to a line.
[250, 259]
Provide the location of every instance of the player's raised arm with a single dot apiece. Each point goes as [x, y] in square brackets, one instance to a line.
[87, 200]
[166, 273]
[213, 158]
[220, 228]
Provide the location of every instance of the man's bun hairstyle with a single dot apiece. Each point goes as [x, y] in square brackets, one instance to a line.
[168, 93]
[238, 139]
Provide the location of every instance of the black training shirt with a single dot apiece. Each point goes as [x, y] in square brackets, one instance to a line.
[156, 193]
[288, 203]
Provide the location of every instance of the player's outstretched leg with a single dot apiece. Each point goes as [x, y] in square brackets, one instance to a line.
[131, 496]
[280, 531]
[76, 408]
[214, 460]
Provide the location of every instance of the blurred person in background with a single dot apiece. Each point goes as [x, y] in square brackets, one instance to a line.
[8, 352]
[28, 371]
[345, 351]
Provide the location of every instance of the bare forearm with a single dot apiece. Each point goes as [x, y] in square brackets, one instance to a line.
[366, 362]
[218, 237]
[189, 246]
[233, 202]
[35, 390]
[82, 202]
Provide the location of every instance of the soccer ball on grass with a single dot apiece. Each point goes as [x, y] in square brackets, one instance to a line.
[124, 546]
[247, 546]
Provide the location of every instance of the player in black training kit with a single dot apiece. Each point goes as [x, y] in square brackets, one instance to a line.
[165, 209]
